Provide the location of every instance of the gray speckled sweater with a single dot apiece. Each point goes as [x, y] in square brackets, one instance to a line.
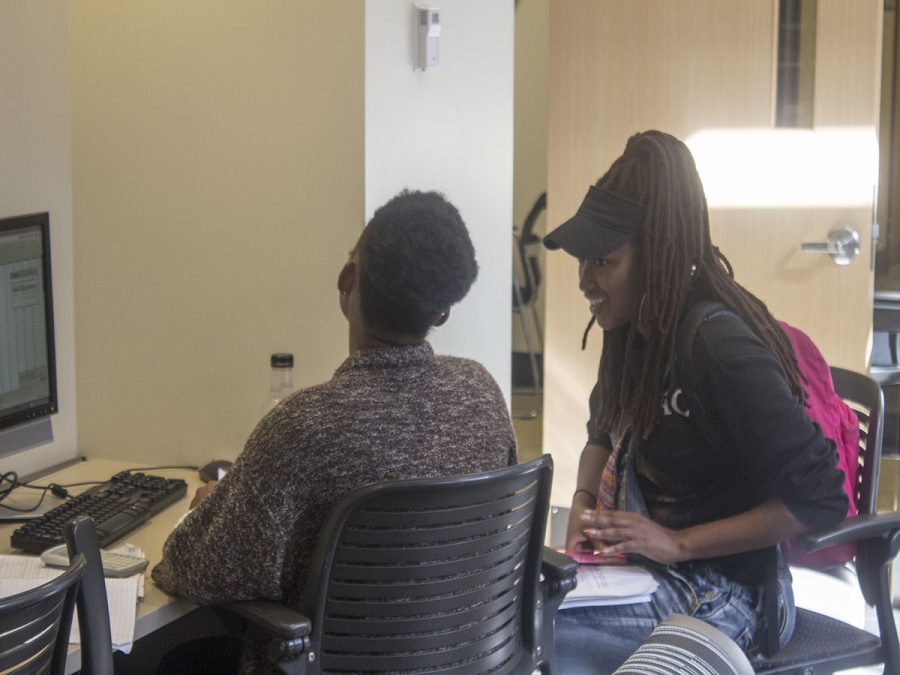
[388, 413]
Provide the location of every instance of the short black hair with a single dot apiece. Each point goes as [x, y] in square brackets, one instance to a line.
[415, 261]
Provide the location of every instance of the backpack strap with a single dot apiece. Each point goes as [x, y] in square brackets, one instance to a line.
[686, 378]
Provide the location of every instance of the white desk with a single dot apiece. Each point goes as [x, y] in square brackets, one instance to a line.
[157, 608]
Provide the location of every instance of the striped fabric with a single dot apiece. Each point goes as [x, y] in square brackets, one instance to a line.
[683, 645]
[606, 491]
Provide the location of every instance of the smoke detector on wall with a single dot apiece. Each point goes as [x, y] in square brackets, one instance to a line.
[428, 35]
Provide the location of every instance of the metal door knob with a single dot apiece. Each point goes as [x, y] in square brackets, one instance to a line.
[842, 245]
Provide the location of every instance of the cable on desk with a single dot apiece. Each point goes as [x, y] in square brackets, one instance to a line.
[160, 468]
[12, 478]
[57, 489]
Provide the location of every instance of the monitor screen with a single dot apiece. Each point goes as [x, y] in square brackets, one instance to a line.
[27, 361]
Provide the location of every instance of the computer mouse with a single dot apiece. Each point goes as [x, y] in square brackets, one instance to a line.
[215, 470]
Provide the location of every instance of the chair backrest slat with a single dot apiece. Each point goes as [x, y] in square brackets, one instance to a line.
[405, 622]
[414, 546]
[485, 581]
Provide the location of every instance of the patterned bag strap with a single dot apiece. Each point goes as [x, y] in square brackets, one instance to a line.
[606, 492]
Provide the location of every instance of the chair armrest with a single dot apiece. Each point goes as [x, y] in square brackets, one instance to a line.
[558, 567]
[558, 577]
[879, 525]
[559, 573]
[288, 631]
[273, 617]
[878, 540]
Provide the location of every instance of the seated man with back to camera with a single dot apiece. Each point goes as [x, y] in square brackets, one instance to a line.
[392, 410]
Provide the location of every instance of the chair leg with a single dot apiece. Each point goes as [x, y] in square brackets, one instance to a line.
[549, 641]
[887, 627]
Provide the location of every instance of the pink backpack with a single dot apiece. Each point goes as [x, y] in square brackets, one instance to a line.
[824, 407]
[839, 423]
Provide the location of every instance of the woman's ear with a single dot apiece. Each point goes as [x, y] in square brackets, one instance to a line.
[347, 278]
[346, 283]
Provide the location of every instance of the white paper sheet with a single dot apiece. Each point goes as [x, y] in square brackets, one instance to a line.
[610, 585]
[20, 573]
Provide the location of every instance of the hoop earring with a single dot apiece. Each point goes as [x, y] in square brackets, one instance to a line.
[641, 308]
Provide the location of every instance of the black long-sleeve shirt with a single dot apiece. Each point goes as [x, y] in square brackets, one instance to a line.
[769, 448]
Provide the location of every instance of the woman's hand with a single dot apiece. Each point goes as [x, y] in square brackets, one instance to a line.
[615, 532]
[576, 539]
[590, 467]
[202, 492]
[764, 525]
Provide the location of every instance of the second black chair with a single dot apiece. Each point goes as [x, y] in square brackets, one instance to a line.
[35, 625]
[822, 644]
[446, 574]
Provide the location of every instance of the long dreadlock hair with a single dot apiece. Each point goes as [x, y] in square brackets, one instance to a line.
[679, 263]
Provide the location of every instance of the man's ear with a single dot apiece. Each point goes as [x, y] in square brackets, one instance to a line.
[442, 319]
[347, 278]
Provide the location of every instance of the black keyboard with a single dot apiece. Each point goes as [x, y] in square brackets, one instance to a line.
[117, 507]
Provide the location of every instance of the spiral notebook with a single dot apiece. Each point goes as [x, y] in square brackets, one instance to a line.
[610, 585]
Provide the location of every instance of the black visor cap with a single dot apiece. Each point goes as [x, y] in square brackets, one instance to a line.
[603, 223]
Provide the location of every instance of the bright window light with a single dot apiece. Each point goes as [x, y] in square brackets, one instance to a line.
[787, 168]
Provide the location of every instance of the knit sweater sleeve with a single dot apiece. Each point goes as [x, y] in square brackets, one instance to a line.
[233, 545]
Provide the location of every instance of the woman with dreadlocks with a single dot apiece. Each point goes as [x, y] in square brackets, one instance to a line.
[703, 507]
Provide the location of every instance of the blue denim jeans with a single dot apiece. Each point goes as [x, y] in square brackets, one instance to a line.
[596, 640]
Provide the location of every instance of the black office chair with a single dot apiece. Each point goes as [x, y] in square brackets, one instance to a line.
[90, 599]
[35, 625]
[444, 574]
[822, 644]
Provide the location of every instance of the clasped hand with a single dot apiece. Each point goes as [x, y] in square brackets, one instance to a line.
[202, 493]
[614, 532]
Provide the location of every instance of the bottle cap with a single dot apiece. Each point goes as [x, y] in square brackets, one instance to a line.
[283, 360]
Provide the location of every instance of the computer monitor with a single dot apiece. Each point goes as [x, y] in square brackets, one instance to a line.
[27, 357]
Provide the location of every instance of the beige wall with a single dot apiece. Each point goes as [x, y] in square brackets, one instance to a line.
[36, 175]
[450, 128]
[218, 164]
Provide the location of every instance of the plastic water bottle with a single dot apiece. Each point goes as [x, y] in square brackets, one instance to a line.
[281, 384]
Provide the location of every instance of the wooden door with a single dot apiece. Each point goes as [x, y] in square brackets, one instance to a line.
[703, 70]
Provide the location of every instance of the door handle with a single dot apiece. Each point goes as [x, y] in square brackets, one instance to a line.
[842, 245]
